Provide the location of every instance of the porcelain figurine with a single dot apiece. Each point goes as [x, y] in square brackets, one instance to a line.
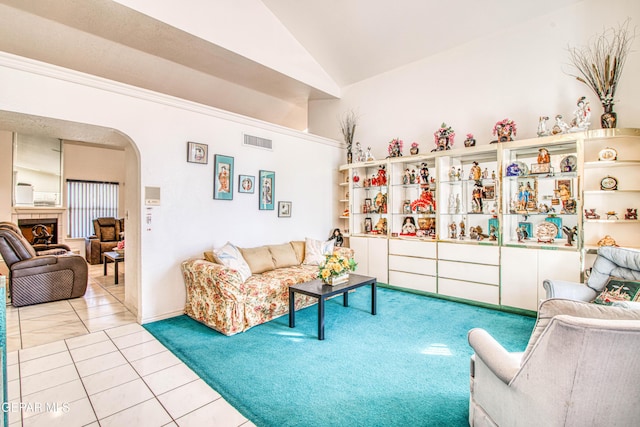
[542, 126]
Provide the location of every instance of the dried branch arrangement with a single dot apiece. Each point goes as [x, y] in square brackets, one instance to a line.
[348, 124]
[600, 64]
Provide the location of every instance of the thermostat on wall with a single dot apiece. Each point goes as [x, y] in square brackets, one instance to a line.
[152, 196]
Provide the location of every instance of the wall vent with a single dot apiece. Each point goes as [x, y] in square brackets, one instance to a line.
[257, 142]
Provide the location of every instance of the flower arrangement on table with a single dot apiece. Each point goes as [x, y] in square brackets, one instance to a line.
[120, 247]
[335, 269]
[395, 147]
[504, 129]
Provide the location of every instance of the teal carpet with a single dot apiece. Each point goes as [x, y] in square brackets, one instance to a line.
[406, 366]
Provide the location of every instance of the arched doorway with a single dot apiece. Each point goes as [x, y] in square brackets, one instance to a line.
[97, 136]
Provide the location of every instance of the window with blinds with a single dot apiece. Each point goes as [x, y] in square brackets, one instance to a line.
[87, 200]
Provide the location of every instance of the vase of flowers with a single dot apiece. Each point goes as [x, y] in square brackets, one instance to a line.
[395, 147]
[505, 130]
[335, 269]
[444, 137]
[414, 149]
[120, 247]
[600, 66]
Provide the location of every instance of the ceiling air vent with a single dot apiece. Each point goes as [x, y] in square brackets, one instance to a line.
[257, 142]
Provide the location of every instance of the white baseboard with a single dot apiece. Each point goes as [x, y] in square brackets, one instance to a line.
[162, 317]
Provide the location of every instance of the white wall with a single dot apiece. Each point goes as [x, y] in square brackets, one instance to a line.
[519, 74]
[188, 221]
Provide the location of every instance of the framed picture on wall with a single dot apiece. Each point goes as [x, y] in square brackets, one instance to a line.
[284, 209]
[223, 177]
[267, 183]
[246, 184]
[489, 192]
[197, 153]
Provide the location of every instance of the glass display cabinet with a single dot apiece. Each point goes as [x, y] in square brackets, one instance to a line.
[469, 196]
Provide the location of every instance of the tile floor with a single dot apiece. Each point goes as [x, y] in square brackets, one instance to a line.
[86, 362]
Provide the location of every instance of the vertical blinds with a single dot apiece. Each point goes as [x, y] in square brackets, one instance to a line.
[87, 200]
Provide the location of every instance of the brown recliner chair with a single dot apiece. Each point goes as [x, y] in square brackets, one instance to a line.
[36, 279]
[109, 231]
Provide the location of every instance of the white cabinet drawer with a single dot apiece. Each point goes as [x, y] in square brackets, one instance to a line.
[475, 253]
[412, 281]
[489, 274]
[471, 291]
[412, 265]
[412, 248]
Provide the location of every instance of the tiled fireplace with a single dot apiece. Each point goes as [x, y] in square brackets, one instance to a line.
[52, 218]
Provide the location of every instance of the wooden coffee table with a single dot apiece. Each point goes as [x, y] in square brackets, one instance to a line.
[115, 258]
[319, 290]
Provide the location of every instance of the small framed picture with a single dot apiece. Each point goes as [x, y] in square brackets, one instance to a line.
[489, 192]
[223, 178]
[368, 225]
[197, 153]
[284, 209]
[267, 182]
[563, 189]
[540, 168]
[246, 184]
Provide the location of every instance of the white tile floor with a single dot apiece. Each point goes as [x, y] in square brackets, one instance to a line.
[86, 362]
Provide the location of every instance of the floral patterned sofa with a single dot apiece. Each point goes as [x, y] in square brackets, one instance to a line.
[233, 289]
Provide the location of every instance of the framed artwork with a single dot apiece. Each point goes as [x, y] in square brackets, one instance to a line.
[197, 153]
[368, 225]
[223, 177]
[563, 188]
[246, 184]
[267, 182]
[284, 209]
[489, 192]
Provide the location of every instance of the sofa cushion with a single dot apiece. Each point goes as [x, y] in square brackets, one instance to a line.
[316, 250]
[298, 247]
[229, 256]
[283, 255]
[618, 289]
[259, 259]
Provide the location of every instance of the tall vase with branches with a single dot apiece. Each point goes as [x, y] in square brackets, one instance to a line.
[600, 65]
[348, 124]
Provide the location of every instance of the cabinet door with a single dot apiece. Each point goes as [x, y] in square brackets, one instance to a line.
[361, 254]
[519, 278]
[378, 259]
[559, 265]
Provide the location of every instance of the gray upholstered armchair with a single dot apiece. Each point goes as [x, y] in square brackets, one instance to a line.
[612, 261]
[35, 279]
[109, 231]
[581, 368]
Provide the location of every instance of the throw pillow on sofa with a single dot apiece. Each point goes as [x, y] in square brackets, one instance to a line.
[283, 255]
[619, 290]
[259, 259]
[316, 250]
[229, 256]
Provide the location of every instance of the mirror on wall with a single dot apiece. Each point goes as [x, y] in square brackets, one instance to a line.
[37, 171]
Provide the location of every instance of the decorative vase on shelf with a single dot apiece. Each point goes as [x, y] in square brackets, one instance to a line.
[609, 118]
[349, 157]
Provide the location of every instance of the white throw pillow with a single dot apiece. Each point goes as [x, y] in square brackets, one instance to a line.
[230, 256]
[316, 250]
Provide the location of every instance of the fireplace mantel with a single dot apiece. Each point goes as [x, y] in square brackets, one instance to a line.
[38, 210]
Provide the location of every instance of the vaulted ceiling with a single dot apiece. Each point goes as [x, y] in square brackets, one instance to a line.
[347, 40]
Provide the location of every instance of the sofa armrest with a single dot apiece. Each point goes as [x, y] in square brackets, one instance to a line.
[498, 360]
[40, 248]
[204, 276]
[568, 290]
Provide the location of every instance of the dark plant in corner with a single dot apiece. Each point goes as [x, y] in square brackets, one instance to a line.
[600, 65]
[348, 124]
